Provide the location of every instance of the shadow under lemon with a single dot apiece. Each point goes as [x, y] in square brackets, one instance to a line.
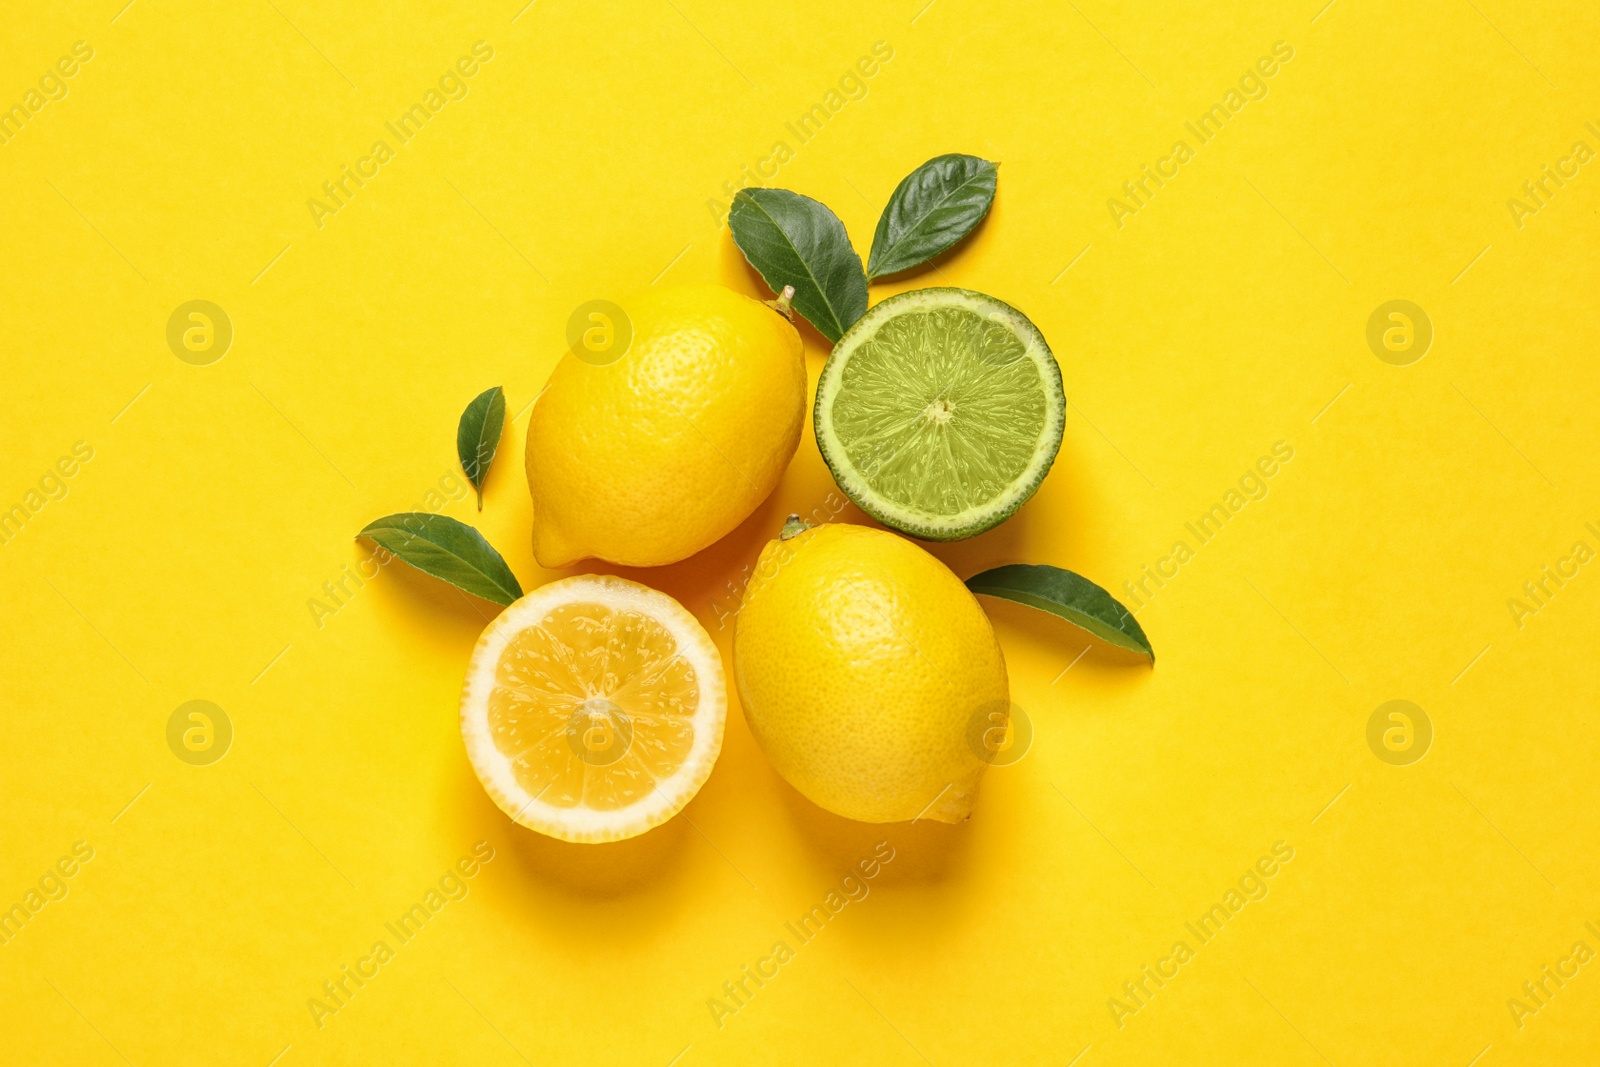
[926, 852]
[610, 870]
[712, 575]
[585, 895]
[711, 583]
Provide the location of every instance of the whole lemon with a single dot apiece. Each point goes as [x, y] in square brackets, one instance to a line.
[650, 458]
[863, 664]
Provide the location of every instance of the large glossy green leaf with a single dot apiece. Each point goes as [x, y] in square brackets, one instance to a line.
[794, 240]
[934, 207]
[447, 549]
[1070, 596]
[478, 436]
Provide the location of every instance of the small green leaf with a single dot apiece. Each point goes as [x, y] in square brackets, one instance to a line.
[934, 207]
[478, 436]
[448, 549]
[793, 240]
[1071, 596]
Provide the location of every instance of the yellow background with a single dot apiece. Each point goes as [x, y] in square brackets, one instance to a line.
[1228, 314]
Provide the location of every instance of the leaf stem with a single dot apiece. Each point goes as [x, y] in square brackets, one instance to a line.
[783, 305]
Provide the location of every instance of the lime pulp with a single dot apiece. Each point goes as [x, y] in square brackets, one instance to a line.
[940, 412]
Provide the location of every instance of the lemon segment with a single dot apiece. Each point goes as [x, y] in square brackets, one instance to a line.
[593, 708]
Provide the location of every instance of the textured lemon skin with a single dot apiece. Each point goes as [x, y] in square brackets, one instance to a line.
[650, 459]
[861, 660]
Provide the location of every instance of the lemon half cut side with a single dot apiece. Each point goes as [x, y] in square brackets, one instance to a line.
[593, 708]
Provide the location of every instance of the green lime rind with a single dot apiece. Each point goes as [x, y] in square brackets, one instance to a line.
[942, 512]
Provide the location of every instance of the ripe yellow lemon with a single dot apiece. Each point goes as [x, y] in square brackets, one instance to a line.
[863, 664]
[593, 708]
[650, 458]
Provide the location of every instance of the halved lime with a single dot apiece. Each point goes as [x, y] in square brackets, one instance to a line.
[940, 412]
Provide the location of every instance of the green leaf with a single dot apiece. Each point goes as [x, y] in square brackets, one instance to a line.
[934, 207]
[448, 549]
[478, 436]
[1071, 596]
[793, 240]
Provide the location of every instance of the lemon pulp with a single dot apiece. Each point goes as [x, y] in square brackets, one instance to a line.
[593, 706]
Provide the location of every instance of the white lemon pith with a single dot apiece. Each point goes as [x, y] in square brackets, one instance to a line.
[649, 459]
[593, 708]
[862, 663]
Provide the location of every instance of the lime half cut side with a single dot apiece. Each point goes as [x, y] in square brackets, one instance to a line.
[940, 412]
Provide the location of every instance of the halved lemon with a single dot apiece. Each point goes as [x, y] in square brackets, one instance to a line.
[593, 708]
